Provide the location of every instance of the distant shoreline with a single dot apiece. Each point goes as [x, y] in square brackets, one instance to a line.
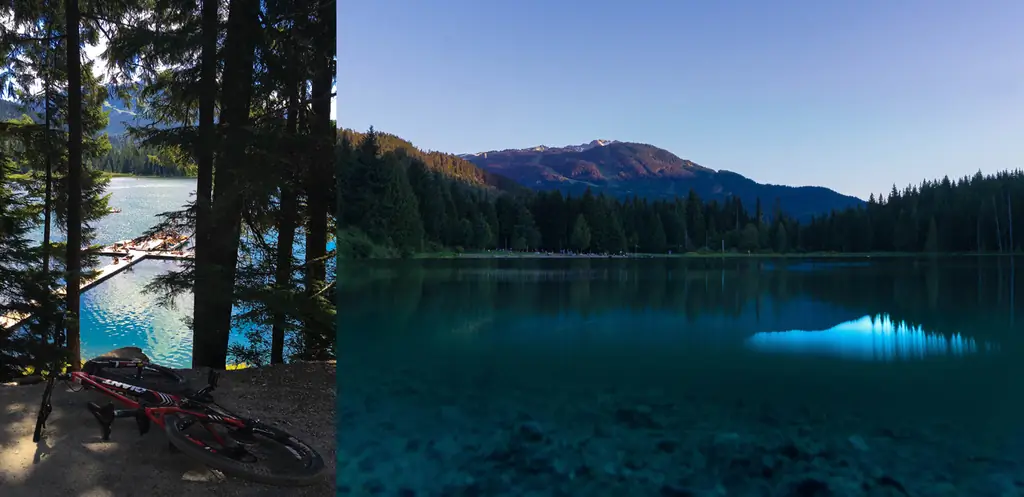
[147, 176]
[22, 176]
[707, 255]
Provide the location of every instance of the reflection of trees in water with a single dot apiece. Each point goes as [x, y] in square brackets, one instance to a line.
[944, 295]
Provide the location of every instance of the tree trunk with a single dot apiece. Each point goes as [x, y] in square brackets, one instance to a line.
[48, 188]
[287, 217]
[977, 235]
[1009, 219]
[999, 232]
[210, 346]
[318, 178]
[204, 161]
[74, 183]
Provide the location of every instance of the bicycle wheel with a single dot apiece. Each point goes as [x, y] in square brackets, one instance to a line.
[154, 376]
[247, 455]
[44, 410]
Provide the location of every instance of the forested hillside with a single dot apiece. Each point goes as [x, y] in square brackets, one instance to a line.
[393, 198]
[448, 165]
[127, 157]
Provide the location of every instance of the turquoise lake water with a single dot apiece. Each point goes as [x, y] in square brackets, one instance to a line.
[682, 377]
[116, 313]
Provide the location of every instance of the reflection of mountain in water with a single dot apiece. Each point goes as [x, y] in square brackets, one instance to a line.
[770, 314]
[869, 338]
[649, 326]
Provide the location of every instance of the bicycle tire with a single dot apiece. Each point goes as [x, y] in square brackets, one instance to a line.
[307, 475]
[166, 380]
[44, 411]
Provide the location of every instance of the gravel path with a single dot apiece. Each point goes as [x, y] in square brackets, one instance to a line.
[72, 460]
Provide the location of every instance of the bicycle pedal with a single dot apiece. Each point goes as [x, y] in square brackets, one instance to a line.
[104, 415]
[142, 421]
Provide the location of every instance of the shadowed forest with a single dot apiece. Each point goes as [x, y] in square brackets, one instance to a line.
[238, 92]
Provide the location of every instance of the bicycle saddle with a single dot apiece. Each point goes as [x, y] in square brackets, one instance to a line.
[124, 354]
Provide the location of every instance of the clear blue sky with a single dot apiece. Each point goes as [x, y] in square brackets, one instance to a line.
[852, 95]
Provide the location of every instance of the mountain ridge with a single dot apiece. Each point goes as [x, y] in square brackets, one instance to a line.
[545, 148]
[120, 118]
[627, 169]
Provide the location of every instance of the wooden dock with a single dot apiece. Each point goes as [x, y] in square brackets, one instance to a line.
[147, 250]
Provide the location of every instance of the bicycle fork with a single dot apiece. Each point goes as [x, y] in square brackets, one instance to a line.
[106, 415]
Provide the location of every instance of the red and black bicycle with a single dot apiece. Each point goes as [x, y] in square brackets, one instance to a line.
[193, 422]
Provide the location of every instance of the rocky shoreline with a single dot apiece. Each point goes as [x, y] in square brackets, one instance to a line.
[407, 436]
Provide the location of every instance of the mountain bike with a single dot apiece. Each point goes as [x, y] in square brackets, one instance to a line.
[157, 395]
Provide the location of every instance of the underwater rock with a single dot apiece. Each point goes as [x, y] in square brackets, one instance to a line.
[675, 491]
[858, 443]
[889, 483]
[811, 487]
[802, 449]
[639, 417]
[367, 464]
[530, 431]
[373, 487]
[667, 446]
[943, 489]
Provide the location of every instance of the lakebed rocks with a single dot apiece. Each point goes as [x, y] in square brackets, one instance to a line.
[531, 444]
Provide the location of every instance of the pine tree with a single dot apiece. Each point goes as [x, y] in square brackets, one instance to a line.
[931, 244]
[781, 239]
[24, 280]
[580, 240]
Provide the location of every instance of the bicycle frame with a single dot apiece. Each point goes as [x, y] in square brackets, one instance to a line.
[233, 434]
[162, 403]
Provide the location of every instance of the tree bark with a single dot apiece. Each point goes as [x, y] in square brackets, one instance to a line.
[204, 162]
[1009, 219]
[999, 231]
[318, 177]
[74, 183]
[48, 150]
[287, 217]
[211, 340]
[977, 223]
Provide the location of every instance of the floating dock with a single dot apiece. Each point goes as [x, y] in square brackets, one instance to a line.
[126, 258]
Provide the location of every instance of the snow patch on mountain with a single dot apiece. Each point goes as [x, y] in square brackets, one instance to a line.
[545, 148]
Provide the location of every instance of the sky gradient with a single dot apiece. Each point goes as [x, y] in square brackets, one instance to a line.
[852, 95]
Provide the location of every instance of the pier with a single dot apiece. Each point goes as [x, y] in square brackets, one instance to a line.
[126, 254]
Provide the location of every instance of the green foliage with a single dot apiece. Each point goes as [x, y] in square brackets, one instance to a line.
[26, 288]
[354, 244]
[974, 214]
[580, 239]
[127, 157]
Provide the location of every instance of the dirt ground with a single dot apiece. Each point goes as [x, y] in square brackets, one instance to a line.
[72, 460]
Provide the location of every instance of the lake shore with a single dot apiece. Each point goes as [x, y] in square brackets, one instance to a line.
[116, 175]
[500, 254]
[409, 432]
